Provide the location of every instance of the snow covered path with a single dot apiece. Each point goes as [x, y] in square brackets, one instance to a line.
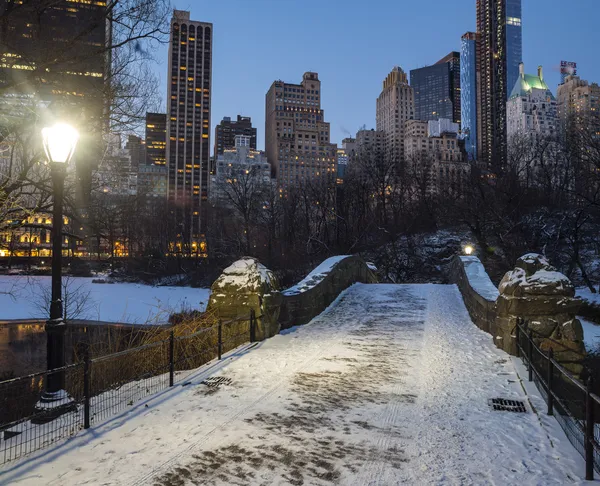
[388, 386]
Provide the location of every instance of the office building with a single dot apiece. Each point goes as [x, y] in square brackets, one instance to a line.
[297, 135]
[188, 127]
[436, 89]
[499, 54]
[531, 109]
[395, 105]
[136, 148]
[468, 93]
[436, 128]
[152, 181]
[227, 130]
[156, 139]
[369, 141]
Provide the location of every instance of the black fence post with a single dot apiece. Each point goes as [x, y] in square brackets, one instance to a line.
[252, 326]
[530, 353]
[550, 379]
[86, 386]
[518, 337]
[171, 357]
[589, 431]
[220, 337]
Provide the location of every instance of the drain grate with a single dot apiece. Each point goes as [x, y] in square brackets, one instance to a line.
[216, 381]
[504, 405]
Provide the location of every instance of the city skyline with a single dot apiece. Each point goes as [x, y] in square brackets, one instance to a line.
[343, 59]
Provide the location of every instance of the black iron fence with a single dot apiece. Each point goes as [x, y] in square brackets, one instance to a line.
[100, 387]
[571, 401]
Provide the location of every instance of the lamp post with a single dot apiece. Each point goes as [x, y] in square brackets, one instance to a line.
[59, 142]
[468, 249]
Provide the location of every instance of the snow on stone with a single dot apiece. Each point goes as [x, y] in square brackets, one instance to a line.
[22, 296]
[390, 385]
[316, 276]
[545, 277]
[478, 278]
[243, 273]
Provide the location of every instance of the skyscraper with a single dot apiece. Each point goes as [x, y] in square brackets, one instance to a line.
[436, 89]
[395, 105]
[499, 56]
[468, 92]
[156, 138]
[227, 130]
[577, 99]
[296, 133]
[188, 132]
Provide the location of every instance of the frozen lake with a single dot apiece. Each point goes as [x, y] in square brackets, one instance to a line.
[27, 297]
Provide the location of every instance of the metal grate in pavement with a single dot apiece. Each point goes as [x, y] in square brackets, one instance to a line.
[216, 381]
[505, 405]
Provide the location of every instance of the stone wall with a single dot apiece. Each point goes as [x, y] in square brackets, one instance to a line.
[321, 287]
[247, 284]
[533, 291]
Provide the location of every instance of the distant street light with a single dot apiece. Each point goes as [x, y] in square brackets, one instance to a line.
[59, 142]
[468, 249]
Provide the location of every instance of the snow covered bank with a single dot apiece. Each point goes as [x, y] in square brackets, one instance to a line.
[22, 297]
[591, 334]
[389, 386]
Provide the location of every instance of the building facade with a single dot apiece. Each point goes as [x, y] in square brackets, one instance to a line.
[531, 109]
[188, 129]
[577, 99]
[499, 53]
[436, 164]
[395, 105]
[226, 131]
[152, 181]
[468, 92]
[297, 137]
[241, 165]
[437, 89]
[156, 139]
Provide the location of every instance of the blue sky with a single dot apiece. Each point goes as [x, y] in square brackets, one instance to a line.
[353, 44]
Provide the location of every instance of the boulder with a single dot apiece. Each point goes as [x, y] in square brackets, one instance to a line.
[244, 286]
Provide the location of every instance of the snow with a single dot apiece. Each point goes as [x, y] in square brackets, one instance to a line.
[390, 385]
[545, 277]
[478, 278]
[243, 273]
[591, 334]
[585, 294]
[316, 276]
[21, 297]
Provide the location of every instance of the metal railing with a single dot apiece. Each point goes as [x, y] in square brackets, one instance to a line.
[104, 386]
[569, 400]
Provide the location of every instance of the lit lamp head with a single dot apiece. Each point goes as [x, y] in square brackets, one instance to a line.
[468, 249]
[59, 141]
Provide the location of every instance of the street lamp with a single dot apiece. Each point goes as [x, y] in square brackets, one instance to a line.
[59, 142]
[468, 249]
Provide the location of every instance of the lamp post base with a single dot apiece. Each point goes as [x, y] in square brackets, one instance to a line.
[52, 405]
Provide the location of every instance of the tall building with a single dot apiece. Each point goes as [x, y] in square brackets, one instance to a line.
[578, 99]
[437, 89]
[227, 130]
[468, 92]
[136, 148]
[156, 138]
[296, 133]
[371, 141]
[241, 165]
[531, 108]
[52, 54]
[499, 55]
[395, 105]
[188, 129]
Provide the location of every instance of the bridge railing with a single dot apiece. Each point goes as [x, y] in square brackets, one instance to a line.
[569, 400]
[100, 387]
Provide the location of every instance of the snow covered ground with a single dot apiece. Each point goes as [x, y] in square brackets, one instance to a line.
[22, 297]
[390, 385]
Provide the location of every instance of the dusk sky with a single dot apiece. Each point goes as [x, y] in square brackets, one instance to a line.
[353, 44]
